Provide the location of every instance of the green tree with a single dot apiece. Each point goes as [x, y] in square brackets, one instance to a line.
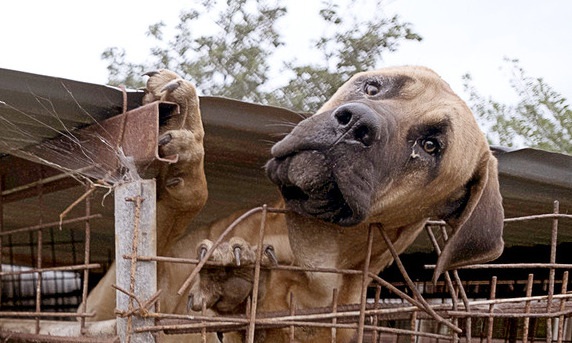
[541, 118]
[234, 60]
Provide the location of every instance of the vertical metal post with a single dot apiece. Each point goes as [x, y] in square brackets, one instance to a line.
[135, 234]
[86, 259]
[40, 249]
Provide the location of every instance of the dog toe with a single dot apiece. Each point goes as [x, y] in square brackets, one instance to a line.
[171, 85]
[243, 253]
[165, 139]
[182, 143]
[160, 84]
[151, 73]
[202, 248]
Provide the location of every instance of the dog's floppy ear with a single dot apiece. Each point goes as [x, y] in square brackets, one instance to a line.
[477, 222]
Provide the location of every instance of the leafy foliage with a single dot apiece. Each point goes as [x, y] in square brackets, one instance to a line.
[541, 118]
[234, 59]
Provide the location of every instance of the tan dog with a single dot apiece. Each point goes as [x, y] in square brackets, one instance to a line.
[393, 147]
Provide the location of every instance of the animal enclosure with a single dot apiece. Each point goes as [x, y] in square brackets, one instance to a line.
[57, 237]
[499, 301]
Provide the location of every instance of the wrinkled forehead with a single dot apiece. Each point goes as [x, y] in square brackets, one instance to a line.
[397, 83]
[415, 98]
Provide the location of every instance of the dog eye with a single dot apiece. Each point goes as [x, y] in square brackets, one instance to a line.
[431, 146]
[372, 88]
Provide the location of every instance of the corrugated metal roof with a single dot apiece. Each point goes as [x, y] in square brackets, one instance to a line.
[238, 140]
[531, 180]
[36, 107]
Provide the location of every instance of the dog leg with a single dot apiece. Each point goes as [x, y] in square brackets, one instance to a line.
[181, 186]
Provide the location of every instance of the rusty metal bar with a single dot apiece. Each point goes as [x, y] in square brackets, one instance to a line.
[49, 225]
[233, 323]
[93, 150]
[351, 313]
[411, 285]
[63, 268]
[333, 332]
[364, 283]
[448, 281]
[463, 314]
[491, 309]
[38, 338]
[511, 266]
[520, 299]
[413, 324]
[517, 219]
[552, 271]
[278, 267]
[527, 308]
[256, 281]
[562, 307]
[44, 314]
[39, 258]
[375, 307]
[539, 216]
[225, 327]
[42, 181]
[292, 314]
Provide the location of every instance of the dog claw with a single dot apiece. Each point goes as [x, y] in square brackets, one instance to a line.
[190, 303]
[173, 182]
[271, 254]
[151, 73]
[202, 252]
[165, 139]
[171, 86]
[237, 251]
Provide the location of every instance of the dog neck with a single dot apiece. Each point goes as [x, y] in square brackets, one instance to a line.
[319, 244]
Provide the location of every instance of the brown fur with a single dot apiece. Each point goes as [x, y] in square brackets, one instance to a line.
[404, 187]
[464, 192]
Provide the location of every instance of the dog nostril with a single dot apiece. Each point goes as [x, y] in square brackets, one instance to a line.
[356, 122]
[343, 116]
[363, 134]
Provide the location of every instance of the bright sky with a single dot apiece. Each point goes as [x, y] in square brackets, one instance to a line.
[66, 38]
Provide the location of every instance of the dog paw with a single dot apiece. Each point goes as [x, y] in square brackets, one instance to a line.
[225, 285]
[182, 184]
[165, 85]
[181, 144]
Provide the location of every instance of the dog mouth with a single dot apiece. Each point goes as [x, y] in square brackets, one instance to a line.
[327, 166]
[310, 187]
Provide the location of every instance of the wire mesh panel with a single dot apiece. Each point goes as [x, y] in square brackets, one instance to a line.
[508, 302]
[461, 307]
[45, 266]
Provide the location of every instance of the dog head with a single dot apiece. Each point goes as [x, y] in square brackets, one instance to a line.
[395, 146]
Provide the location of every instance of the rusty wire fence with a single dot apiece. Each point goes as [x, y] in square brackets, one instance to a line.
[44, 267]
[410, 314]
[398, 311]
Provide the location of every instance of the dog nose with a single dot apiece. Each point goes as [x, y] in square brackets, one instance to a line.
[358, 122]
